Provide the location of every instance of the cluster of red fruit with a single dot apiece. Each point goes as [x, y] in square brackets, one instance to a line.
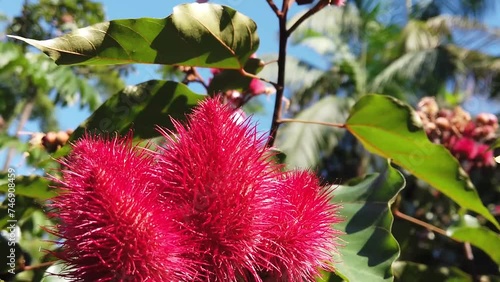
[209, 205]
[467, 139]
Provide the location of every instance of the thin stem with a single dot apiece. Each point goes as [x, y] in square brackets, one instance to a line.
[274, 7]
[281, 74]
[338, 125]
[33, 267]
[468, 251]
[320, 5]
[192, 75]
[251, 75]
[286, 5]
[41, 265]
[423, 224]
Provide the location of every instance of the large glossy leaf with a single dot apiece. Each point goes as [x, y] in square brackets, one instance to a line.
[392, 129]
[140, 108]
[480, 237]
[370, 249]
[302, 143]
[205, 35]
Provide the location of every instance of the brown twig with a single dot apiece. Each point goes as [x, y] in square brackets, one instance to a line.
[282, 17]
[468, 251]
[320, 5]
[286, 5]
[40, 265]
[192, 75]
[338, 125]
[284, 34]
[423, 224]
[247, 74]
[274, 7]
[33, 267]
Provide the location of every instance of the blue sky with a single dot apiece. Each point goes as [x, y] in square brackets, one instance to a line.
[257, 10]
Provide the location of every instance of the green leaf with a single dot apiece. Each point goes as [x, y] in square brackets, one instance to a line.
[141, 107]
[480, 237]
[33, 186]
[303, 143]
[370, 249]
[406, 271]
[204, 35]
[392, 129]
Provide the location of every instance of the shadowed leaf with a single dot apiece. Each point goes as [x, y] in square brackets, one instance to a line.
[370, 248]
[141, 107]
[204, 35]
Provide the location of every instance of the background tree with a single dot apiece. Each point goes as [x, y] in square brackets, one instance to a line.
[431, 48]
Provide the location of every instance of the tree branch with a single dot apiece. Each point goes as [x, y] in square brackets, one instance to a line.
[274, 7]
[281, 75]
[284, 34]
[423, 224]
[320, 5]
[251, 75]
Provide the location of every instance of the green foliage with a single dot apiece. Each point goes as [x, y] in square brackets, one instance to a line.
[140, 108]
[370, 249]
[229, 39]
